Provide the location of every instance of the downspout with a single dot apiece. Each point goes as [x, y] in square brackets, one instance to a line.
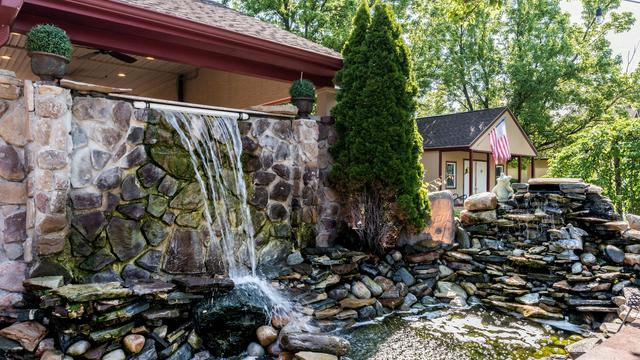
[9, 10]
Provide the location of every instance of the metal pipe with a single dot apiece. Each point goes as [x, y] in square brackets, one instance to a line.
[192, 110]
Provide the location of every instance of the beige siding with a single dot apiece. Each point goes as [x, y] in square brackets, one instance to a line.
[220, 88]
[517, 142]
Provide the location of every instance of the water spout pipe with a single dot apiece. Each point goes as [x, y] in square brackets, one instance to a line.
[189, 109]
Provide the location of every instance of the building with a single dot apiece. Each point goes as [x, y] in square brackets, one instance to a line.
[457, 148]
[194, 51]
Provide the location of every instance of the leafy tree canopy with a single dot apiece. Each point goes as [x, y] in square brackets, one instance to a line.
[556, 76]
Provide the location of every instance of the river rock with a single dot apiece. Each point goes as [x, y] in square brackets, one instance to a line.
[133, 343]
[360, 290]
[616, 255]
[634, 221]
[78, 348]
[297, 342]
[115, 355]
[481, 202]
[266, 335]
[406, 276]
[374, 288]
[588, 259]
[308, 355]
[254, 349]
[28, 333]
[529, 299]
[295, 258]
[576, 268]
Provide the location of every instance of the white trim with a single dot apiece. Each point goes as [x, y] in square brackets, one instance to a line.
[191, 110]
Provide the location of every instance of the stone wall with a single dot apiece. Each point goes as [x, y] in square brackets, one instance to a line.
[96, 190]
[13, 189]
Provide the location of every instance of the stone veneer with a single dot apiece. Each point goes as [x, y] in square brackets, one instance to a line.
[95, 190]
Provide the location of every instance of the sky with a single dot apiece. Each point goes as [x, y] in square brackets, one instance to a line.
[620, 43]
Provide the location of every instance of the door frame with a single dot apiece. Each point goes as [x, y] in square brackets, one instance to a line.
[465, 176]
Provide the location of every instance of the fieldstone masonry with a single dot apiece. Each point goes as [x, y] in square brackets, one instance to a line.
[95, 190]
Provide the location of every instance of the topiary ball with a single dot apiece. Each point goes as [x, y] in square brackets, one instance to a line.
[302, 88]
[49, 38]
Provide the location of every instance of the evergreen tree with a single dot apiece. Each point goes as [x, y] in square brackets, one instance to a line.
[380, 148]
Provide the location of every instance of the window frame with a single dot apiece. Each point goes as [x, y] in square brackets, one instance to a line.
[455, 174]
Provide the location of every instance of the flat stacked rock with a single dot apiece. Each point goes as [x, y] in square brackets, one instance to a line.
[558, 247]
[141, 320]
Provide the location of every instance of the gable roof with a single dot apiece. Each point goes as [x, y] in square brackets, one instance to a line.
[456, 129]
[214, 14]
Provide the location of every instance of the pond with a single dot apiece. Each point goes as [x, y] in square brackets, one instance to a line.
[464, 334]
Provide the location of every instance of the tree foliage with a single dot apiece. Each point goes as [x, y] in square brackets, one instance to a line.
[556, 76]
[326, 22]
[607, 155]
[379, 147]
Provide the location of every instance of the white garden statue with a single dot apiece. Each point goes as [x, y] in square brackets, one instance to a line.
[503, 189]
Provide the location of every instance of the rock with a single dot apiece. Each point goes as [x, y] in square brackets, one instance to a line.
[52, 355]
[614, 254]
[408, 301]
[576, 268]
[115, 355]
[254, 349]
[109, 179]
[131, 189]
[338, 293]
[449, 290]
[266, 335]
[374, 288]
[28, 333]
[588, 259]
[349, 303]
[308, 355]
[406, 276]
[634, 221]
[78, 348]
[133, 343]
[189, 198]
[297, 342]
[295, 258]
[148, 352]
[458, 301]
[480, 217]
[529, 299]
[44, 345]
[157, 205]
[89, 292]
[526, 310]
[444, 271]
[186, 244]
[43, 283]
[360, 290]
[631, 259]
[580, 347]
[11, 167]
[168, 186]
[125, 238]
[12, 274]
[481, 202]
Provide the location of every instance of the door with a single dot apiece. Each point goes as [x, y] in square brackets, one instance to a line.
[479, 177]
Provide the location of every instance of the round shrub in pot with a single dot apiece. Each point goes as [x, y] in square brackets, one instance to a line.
[50, 50]
[303, 95]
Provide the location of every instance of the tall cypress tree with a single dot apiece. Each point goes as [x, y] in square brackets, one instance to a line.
[351, 81]
[381, 149]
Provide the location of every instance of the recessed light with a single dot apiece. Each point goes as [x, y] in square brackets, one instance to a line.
[5, 57]
[150, 58]
[122, 74]
[15, 33]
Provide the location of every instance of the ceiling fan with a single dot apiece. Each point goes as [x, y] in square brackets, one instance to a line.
[115, 54]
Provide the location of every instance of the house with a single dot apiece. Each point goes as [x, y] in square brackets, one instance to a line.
[194, 51]
[457, 151]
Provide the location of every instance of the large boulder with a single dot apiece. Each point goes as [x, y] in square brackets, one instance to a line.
[228, 322]
[481, 202]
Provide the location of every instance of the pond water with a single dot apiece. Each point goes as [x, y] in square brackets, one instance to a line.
[465, 334]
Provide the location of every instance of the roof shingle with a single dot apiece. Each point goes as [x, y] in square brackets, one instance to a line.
[219, 16]
[456, 129]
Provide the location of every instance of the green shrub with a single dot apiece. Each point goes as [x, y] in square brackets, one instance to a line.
[302, 88]
[49, 38]
[379, 148]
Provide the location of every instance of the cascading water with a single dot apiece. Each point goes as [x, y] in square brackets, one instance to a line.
[215, 147]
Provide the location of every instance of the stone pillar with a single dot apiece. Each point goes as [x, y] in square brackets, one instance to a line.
[329, 206]
[14, 244]
[305, 136]
[48, 179]
[326, 101]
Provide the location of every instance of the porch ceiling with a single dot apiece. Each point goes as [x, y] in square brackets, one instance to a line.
[143, 76]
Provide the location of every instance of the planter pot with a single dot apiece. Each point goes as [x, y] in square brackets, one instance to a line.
[304, 105]
[49, 67]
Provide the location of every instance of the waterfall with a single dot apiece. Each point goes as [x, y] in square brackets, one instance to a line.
[214, 142]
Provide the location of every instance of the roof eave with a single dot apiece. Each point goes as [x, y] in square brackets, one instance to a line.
[122, 27]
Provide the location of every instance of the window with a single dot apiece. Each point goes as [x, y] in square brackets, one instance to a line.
[499, 171]
[450, 174]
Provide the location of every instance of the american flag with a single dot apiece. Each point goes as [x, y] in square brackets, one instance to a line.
[500, 143]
